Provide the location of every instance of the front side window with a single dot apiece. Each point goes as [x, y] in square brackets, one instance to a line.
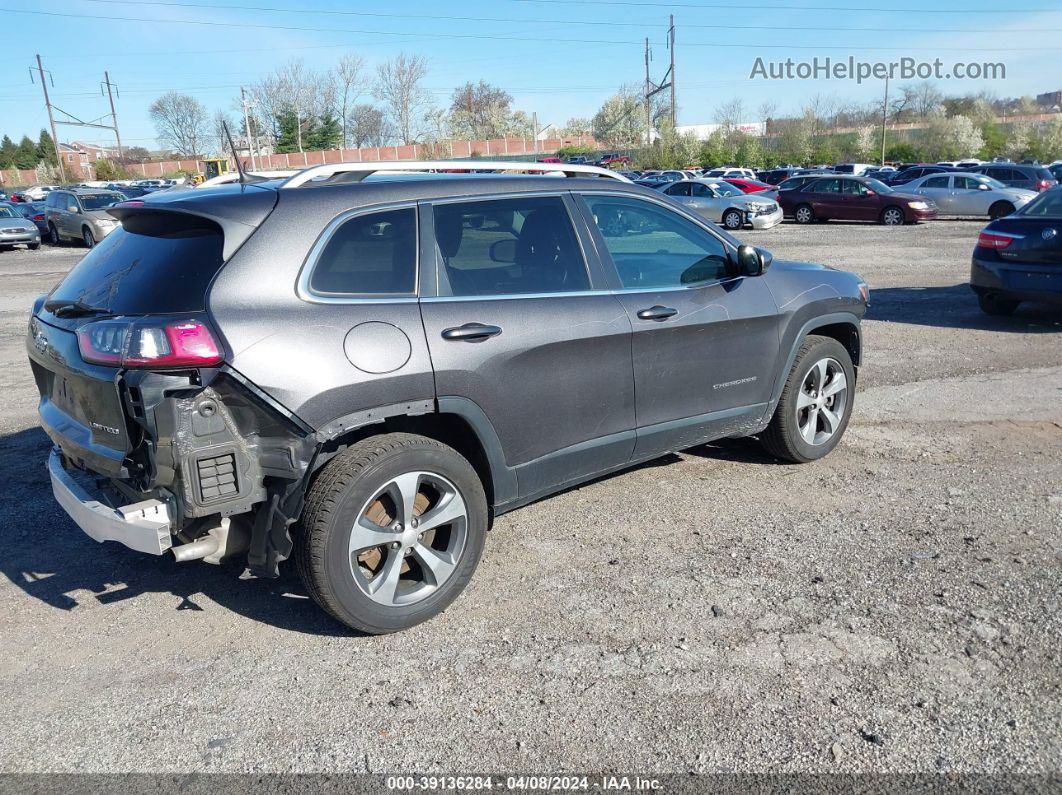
[373, 254]
[653, 247]
[514, 246]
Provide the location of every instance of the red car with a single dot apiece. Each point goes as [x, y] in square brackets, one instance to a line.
[749, 185]
[854, 199]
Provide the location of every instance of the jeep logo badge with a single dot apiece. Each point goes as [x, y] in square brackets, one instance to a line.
[1049, 234]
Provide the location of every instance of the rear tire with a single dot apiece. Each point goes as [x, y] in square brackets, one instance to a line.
[804, 214]
[816, 403]
[993, 304]
[999, 209]
[385, 491]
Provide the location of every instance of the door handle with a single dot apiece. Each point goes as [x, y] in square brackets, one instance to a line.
[657, 313]
[471, 332]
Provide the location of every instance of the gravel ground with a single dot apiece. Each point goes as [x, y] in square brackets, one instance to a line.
[894, 607]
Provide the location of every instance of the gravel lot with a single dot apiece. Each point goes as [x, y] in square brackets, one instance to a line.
[894, 607]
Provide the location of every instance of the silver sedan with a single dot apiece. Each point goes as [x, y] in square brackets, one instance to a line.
[970, 194]
[726, 205]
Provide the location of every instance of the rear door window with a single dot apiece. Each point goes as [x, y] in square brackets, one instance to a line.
[372, 254]
[154, 263]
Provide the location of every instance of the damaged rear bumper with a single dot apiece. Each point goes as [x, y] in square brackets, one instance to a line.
[143, 526]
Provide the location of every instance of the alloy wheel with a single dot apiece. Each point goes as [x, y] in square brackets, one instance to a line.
[803, 215]
[822, 401]
[408, 539]
[892, 217]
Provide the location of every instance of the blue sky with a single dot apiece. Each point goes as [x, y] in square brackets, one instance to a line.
[554, 56]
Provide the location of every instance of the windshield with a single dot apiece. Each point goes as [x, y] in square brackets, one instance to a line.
[726, 189]
[1046, 205]
[716, 172]
[97, 201]
[878, 186]
[991, 182]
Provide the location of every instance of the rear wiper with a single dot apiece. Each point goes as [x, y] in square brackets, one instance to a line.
[61, 308]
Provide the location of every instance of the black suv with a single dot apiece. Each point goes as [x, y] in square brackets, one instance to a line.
[361, 374]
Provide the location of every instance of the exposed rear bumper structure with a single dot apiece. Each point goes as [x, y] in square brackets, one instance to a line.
[143, 526]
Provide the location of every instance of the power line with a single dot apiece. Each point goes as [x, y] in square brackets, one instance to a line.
[746, 7]
[510, 20]
[483, 36]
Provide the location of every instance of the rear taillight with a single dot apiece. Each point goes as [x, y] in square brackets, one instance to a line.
[149, 343]
[995, 241]
[36, 217]
[1043, 184]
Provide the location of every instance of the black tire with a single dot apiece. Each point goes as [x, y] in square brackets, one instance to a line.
[893, 216]
[87, 238]
[53, 235]
[345, 487]
[999, 209]
[993, 304]
[804, 214]
[733, 220]
[34, 246]
[783, 438]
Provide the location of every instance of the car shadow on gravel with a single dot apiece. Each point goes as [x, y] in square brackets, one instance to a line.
[50, 559]
[956, 307]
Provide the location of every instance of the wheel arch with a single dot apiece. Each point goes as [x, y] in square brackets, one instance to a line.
[844, 327]
[456, 422]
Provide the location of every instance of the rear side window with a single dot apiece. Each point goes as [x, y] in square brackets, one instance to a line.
[154, 263]
[373, 254]
[516, 246]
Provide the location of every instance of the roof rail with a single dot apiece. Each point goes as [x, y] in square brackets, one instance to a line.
[337, 173]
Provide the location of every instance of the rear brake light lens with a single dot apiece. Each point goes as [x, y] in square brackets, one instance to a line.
[149, 343]
[36, 217]
[994, 241]
[1043, 184]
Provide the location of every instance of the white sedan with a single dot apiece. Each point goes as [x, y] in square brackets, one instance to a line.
[970, 194]
[726, 205]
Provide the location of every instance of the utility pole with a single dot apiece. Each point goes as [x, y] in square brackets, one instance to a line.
[648, 99]
[51, 119]
[247, 127]
[884, 118]
[114, 118]
[534, 128]
[671, 37]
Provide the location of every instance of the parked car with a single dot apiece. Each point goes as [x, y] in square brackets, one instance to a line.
[970, 194]
[15, 229]
[855, 169]
[854, 199]
[1014, 175]
[914, 172]
[729, 171]
[80, 214]
[793, 183]
[776, 176]
[724, 204]
[32, 211]
[749, 185]
[1056, 172]
[577, 160]
[1019, 257]
[36, 193]
[613, 160]
[315, 386]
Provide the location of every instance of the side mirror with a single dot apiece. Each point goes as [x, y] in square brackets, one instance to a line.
[983, 186]
[503, 251]
[73, 208]
[871, 193]
[752, 261]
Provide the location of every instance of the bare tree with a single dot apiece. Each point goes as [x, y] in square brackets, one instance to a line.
[180, 122]
[218, 124]
[349, 79]
[398, 86]
[730, 114]
[368, 126]
[479, 111]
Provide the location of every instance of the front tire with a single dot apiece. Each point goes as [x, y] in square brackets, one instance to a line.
[87, 238]
[893, 216]
[53, 235]
[804, 214]
[993, 304]
[733, 220]
[816, 403]
[33, 246]
[392, 531]
[1000, 209]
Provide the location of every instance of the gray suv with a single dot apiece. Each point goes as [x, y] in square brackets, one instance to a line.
[80, 214]
[361, 373]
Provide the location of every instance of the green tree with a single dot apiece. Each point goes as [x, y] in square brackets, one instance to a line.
[750, 152]
[995, 140]
[26, 154]
[327, 133]
[8, 150]
[288, 132]
[904, 152]
[106, 170]
[46, 149]
[713, 151]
